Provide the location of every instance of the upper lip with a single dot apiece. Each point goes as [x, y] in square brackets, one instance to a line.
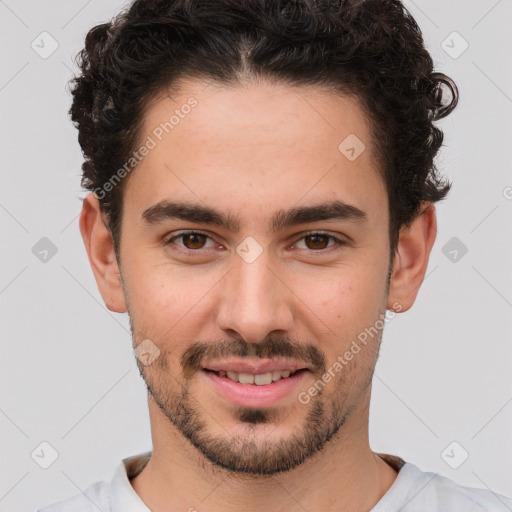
[255, 367]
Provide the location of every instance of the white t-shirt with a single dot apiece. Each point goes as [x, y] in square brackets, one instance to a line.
[413, 491]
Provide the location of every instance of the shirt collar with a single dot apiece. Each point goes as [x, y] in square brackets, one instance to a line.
[123, 496]
[121, 493]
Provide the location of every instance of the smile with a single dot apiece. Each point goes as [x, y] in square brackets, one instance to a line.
[261, 379]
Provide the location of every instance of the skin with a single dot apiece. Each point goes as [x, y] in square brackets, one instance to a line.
[252, 150]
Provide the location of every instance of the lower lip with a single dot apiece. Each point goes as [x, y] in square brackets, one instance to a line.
[252, 395]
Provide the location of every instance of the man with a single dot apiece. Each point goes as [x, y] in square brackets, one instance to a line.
[262, 194]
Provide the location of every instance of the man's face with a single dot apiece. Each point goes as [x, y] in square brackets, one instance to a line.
[266, 292]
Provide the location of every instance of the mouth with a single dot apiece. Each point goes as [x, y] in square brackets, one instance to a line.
[260, 379]
[255, 384]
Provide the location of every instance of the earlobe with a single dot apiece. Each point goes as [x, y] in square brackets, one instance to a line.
[411, 259]
[100, 251]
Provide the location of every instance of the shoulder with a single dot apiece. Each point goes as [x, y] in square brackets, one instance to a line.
[115, 494]
[94, 498]
[473, 499]
[433, 492]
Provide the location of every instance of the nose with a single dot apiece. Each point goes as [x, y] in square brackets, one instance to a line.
[255, 301]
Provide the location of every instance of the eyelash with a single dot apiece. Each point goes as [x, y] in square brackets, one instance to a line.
[339, 243]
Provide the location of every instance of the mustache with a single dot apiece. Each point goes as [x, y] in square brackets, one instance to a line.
[196, 355]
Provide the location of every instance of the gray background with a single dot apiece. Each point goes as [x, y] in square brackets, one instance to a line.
[68, 375]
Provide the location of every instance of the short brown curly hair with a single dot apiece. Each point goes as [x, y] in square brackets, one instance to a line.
[372, 49]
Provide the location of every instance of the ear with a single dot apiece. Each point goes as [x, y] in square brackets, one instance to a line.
[100, 250]
[411, 259]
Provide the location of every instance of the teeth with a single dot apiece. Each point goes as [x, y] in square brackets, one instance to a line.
[261, 379]
[245, 378]
[232, 376]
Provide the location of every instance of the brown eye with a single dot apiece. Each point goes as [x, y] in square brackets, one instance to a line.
[318, 241]
[196, 240]
[190, 240]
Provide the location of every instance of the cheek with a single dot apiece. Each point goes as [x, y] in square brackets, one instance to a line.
[162, 295]
[347, 301]
[351, 291]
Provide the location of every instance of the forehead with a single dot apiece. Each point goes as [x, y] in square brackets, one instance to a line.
[256, 113]
[273, 141]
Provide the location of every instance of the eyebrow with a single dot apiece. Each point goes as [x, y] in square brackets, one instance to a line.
[282, 219]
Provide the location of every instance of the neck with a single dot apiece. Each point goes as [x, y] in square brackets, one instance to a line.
[346, 475]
